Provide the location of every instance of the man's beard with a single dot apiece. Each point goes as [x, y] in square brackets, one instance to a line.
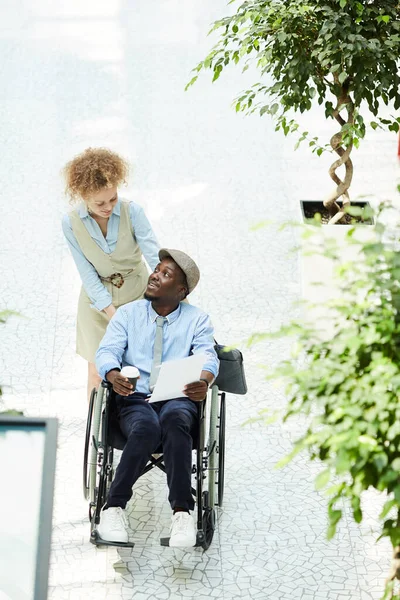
[148, 297]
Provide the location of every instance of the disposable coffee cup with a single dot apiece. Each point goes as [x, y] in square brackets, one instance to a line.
[132, 373]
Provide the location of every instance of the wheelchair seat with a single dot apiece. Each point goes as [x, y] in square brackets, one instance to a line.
[116, 438]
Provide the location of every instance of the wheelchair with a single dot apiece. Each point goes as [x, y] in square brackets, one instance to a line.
[103, 435]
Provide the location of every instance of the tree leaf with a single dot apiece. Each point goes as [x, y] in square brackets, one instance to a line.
[191, 82]
[322, 479]
[387, 507]
[274, 108]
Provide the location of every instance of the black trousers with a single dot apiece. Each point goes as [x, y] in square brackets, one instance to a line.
[171, 423]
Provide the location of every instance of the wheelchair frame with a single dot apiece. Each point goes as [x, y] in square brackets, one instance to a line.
[208, 466]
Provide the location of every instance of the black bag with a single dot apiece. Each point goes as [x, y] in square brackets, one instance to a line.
[231, 376]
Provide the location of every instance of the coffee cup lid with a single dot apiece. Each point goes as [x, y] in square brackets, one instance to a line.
[129, 371]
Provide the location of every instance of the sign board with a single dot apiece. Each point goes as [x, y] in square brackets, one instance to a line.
[27, 459]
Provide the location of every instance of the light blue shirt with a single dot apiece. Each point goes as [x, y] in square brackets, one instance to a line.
[130, 335]
[97, 292]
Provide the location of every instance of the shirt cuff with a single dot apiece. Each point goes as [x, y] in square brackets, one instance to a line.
[102, 304]
[104, 369]
[211, 369]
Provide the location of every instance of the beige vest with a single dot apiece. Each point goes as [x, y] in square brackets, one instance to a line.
[126, 259]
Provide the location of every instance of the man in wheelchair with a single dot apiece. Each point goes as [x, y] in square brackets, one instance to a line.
[145, 333]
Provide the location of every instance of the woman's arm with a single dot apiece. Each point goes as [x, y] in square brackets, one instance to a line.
[97, 292]
[144, 234]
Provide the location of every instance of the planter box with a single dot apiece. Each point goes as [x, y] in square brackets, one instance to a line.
[318, 284]
[310, 207]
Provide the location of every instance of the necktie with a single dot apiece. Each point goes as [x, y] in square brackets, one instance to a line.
[157, 355]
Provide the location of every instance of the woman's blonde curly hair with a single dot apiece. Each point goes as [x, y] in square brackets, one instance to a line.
[92, 171]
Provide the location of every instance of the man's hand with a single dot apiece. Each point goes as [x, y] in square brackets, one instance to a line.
[196, 391]
[120, 384]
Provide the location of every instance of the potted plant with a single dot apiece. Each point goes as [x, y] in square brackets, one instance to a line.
[343, 54]
[348, 387]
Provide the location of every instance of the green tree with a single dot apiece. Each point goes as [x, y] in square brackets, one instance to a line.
[348, 386]
[343, 54]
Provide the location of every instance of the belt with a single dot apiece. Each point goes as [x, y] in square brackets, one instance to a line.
[117, 279]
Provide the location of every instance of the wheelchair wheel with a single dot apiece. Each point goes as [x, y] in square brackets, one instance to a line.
[208, 527]
[87, 445]
[103, 469]
[92, 443]
[95, 440]
[221, 451]
[212, 447]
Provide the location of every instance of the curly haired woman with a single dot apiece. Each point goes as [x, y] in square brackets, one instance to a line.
[108, 238]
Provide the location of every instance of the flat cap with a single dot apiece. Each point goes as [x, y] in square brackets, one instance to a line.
[186, 263]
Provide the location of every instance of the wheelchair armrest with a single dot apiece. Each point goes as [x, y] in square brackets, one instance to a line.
[106, 384]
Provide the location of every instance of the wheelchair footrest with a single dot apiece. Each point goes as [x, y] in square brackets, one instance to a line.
[98, 541]
[164, 541]
[199, 540]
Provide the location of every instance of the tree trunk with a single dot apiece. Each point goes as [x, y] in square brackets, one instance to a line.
[337, 212]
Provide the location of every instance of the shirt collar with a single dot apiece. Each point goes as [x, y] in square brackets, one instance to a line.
[170, 318]
[83, 212]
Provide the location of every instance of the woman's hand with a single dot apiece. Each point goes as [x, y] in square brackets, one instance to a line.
[196, 391]
[110, 311]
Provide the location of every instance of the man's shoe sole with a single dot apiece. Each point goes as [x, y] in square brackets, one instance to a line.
[182, 545]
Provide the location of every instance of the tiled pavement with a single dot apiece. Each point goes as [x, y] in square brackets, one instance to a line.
[112, 73]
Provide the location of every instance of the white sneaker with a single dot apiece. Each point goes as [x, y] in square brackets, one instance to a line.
[113, 524]
[183, 531]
